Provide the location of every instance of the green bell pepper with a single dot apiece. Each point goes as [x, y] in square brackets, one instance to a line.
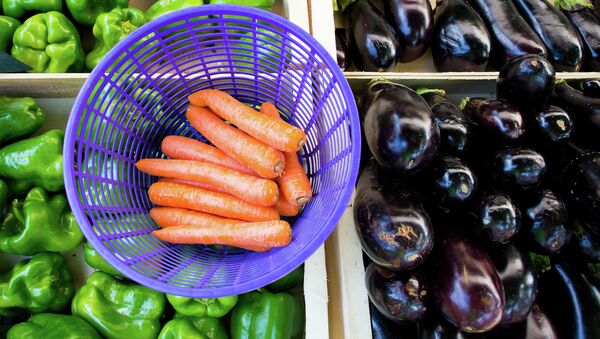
[162, 7]
[56, 326]
[201, 307]
[183, 327]
[19, 117]
[268, 46]
[112, 27]
[40, 284]
[267, 5]
[262, 314]
[39, 224]
[291, 280]
[119, 309]
[17, 8]
[3, 196]
[48, 43]
[8, 26]
[86, 12]
[95, 260]
[35, 161]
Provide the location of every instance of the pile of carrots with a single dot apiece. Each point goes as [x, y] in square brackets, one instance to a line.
[232, 193]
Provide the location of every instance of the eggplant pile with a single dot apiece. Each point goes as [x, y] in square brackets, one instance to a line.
[482, 220]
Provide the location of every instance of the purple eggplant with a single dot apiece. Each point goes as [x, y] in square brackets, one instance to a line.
[587, 24]
[341, 46]
[518, 280]
[399, 127]
[571, 302]
[373, 42]
[511, 35]
[498, 219]
[537, 326]
[435, 327]
[526, 81]
[586, 242]
[392, 225]
[584, 110]
[467, 287]
[460, 42]
[520, 168]
[383, 328]
[495, 116]
[552, 124]
[399, 296]
[413, 22]
[448, 181]
[564, 47]
[546, 222]
[453, 125]
[590, 88]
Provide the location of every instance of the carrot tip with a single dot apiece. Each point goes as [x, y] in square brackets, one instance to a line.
[301, 144]
[302, 201]
[279, 167]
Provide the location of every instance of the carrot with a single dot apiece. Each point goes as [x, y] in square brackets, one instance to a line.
[276, 233]
[169, 217]
[286, 208]
[183, 148]
[192, 183]
[262, 159]
[294, 184]
[224, 205]
[261, 192]
[273, 132]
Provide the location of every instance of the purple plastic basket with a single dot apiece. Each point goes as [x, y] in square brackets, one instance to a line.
[138, 94]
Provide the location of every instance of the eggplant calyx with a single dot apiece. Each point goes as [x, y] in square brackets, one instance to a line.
[569, 5]
[463, 103]
[423, 90]
[540, 263]
[560, 82]
[376, 80]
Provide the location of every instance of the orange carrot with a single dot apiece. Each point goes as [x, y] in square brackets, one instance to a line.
[286, 208]
[183, 148]
[261, 192]
[193, 198]
[273, 132]
[275, 233]
[262, 159]
[294, 184]
[191, 183]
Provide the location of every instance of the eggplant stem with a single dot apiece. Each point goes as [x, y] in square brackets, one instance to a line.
[560, 82]
[380, 79]
[423, 90]
[463, 103]
[568, 5]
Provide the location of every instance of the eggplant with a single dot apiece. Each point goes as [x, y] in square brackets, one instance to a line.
[413, 22]
[448, 181]
[547, 224]
[537, 326]
[585, 111]
[511, 36]
[393, 227]
[562, 42]
[468, 289]
[341, 46]
[571, 302]
[435, 327]
[526, 81]
[495, 116]
[460, 42]
[373, 42]
[520, 168]
[399, 127]
[453, 125]
[553, 124]
[590, 88]
[383, 328]
[519, 283]
[586, 242]
[399, 296]
[498, 218]
[588, 26]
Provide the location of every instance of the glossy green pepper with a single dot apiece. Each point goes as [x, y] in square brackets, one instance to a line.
[56, 326]
[17, 8]
[267, 5]
[8, 26]
[183, 327]
[268, 46]
[38, 224]
[95, 260]
[48, 43]
[86, 12]
[291, 280]
[201, 307]
[19, 117]
[119, 309]
[35, 161]
[262, 314]
[112, 27]
[40, 284]
[162, 7]
[4, 194]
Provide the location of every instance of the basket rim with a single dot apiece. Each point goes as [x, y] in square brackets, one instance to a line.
[280, 270]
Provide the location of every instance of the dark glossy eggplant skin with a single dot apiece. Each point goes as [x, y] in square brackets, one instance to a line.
[399, 128]
[511, 35]
[373, 42]
[341, 46]
[581, 184]
[449, 181]
[584, 110]
[537, 326]
[553, 124]
[453, 125]
[546, 222]
[521, 168]
[413, 22]
[586, 242]
[590, 88]
[497, 116]
[435, 327]
[392, 225]
[460, 42]
[571, 302]
[383, 328]
[399, 296]
[562, 42]
[519, 282]
[498, 218]
[467, 287]
[526, 81]
[588, 26]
